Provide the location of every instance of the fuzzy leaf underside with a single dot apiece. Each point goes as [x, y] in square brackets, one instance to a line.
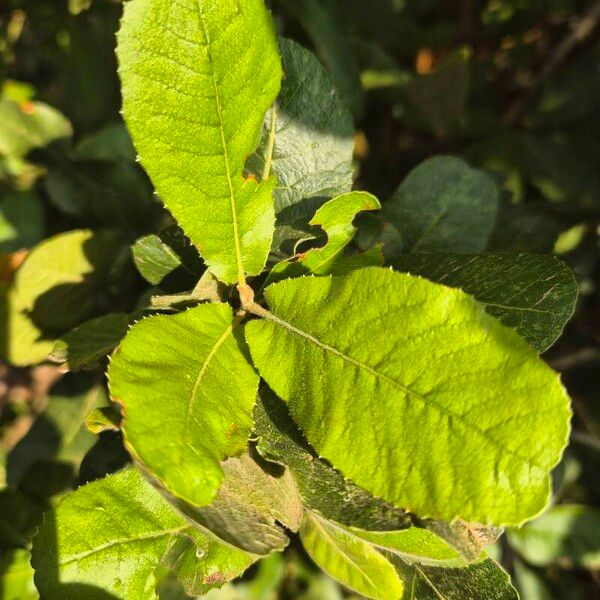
[534, 294]
[187, 392]
[426, 375]
[195, 113]
[111, 535]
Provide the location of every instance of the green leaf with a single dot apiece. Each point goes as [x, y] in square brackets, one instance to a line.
[61, 280]
[16, 576]
[28, 125]
[534, 294]
[335, 218]
[21, 221]
[321, 487]
[353, 562]
[312, 147]
[19, 517]
[253, 500]
[480, 581]
[111, 143]
[481, 417]
[568, 533]
[333, 47]
[186, 385]
[195, 93]
[412, 545]
[154, 259]
[114, 533]
[85, 346]
[444, 206]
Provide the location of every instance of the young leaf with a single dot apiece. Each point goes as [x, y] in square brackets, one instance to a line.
[534, 294]
[484, 580]
[481, 417]
[154, 259]
[187, 392]
[322, 488]
[335, 218]
[252, 501]
[353, 562]
[567, 532]
[114, 533]
[85, 346]
[444, 206]
[195, 111]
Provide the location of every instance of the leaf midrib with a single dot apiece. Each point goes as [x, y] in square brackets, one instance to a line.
[232, 202]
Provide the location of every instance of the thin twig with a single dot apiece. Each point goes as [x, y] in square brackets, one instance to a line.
[580, 31]
[585, 439]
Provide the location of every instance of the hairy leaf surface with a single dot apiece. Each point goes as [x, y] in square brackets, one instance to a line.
[114, 533]
[424, 400]
[187, 391]
[197, 79]
[534, 294]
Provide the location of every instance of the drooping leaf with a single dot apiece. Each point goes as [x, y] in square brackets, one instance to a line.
[448, 386]
[86, 345]
[250, 504]
[154, 259]
[335, 218]
[313, 145]
[28, 125]
[322, 488]
[209, 94]
[114, 533]
[353, 562]
[62, 279]
[569, 533]
[195, 365]
[534, 294]
[484, 580]
[444, 206]
[21, 221]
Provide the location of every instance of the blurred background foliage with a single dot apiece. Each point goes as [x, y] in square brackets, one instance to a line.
[512, 86]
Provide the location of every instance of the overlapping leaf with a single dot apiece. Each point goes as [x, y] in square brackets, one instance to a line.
[426, 375]
[195, 113]
[187, 392]
[115, 533]
[534, 294]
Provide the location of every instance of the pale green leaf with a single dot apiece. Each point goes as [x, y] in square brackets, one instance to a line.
[85, 346]
[21, 221]
[568, 533]
[187, 392]
[321, 487]
[28, 125]
[16, 576]
[349, 560]
[110, 536]
[253, 502]
[195, 92]
[424, 374]
[335, 218]
[154, 259]
[106, 418]
[484, 580]
[534, 294]
[60, 281]
[444, 206]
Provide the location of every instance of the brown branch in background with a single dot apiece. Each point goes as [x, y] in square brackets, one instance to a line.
[580, 31]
